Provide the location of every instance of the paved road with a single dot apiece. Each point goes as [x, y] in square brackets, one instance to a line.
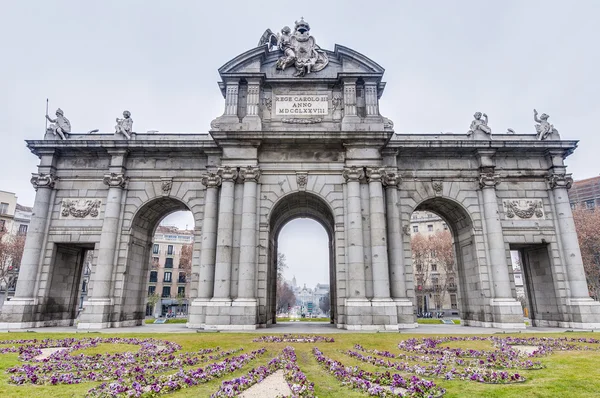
[301, 327]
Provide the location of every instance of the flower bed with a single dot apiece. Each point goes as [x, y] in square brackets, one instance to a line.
[296, 380]
[290, 338]
[374, 384]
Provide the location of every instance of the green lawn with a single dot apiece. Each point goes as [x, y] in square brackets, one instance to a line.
[170, 320]
[567, 374]
[433, 321]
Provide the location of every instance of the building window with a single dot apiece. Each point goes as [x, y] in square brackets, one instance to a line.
[166, 291]
[151, 290]
[415, 228]
[181, 277]
[453, 302]
[170, 249]
[181, 291]
[153, 276]
[434, 267]
[445, 227]
[2, 225]
[169, 262]
[155, 261]
[590, 204]
[573, 206]
[3, 208]
[430, 228]
[168, 276]
[155, 249]
[84, 286]
[23, 229]
[451, 282]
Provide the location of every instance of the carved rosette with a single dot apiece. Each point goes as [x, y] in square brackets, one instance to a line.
[302, 180]
[488, 180]
[438, 187]
[211, 180]
[115, 180]
[524, 208]
[227, 173]
[165, 186]
[557, 180]
[391, 178]
[80, 208]
[250, 173]
[353, 173]
[375, 174]
[42, 180]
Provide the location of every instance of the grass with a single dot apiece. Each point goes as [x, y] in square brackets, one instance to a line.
[568, 374]
[170, 320]
[427, 321]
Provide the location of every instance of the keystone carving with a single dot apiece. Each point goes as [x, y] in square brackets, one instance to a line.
[524, 208]
[43, 180]
[353, 173]
[250, 173]
[80, 208]
[488, 180]
[438, 187]
[115, 180]
[227, 173]
[211, 180]
[557, 180]
[302, 180]
[166, 186]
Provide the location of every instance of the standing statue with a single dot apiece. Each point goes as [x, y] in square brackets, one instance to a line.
[60, 126]
[299, 48]
[125, 125]
[545, 130]
[479, 127]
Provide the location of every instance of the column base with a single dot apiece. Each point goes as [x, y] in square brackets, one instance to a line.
[197, 313]
[372, 315]
[507, 313]
[584, 313]
[24, 313]
[225, 314]
[406, 313]
[96, 314]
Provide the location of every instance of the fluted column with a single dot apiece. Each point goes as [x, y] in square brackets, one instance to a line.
[379, 254]
[247, 269]
[231, 98]
[499, 266]
[225, 234]
[349, 97]
[371, 98]
[560, 183]
[102, 278]
[209, 236]
[391, 179]
[252, 98]
[28, 270]
[356, 265]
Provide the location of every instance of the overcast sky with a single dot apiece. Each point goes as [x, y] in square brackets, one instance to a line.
[444, 60]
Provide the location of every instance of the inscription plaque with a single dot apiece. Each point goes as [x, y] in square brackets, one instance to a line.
[296, 105]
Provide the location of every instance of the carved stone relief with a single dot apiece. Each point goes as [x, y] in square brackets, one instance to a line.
[302, 180]
[438, 187]
[166, 185]
[115, 180]
[524, 209]
[42, 180]
[302, 121]
[80, 208]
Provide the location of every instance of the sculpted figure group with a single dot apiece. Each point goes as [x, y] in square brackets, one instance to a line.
[479, 129]
[61, 126]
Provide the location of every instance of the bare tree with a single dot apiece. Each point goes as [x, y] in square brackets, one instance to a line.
[285, 296]
[11, 253]
[281, 265]
[185, 261]
[442, 254]
[587, 224]
[324, 304]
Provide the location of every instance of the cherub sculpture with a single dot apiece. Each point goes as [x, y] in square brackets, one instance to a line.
[124, 126]
[285, 45]
[479, 127]
[60, 126]
[545, 130]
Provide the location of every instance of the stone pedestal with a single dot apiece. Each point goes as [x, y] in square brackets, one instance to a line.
[223, 314]
[96, 314]
[371, 315]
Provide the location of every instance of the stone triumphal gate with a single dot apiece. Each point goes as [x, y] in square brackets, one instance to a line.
[301, 136]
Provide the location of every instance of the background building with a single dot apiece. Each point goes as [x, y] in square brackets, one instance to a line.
[169, 276]
[585, 193]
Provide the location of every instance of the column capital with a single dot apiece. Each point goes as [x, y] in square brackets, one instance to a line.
[391, 177]
[488, 179]
[115, 180]
[560, 180]
[353, 173]
[375, 174]
[250, 173]
[211, 180]
[43, 180]
[227, 173]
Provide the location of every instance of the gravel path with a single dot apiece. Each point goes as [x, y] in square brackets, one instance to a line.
[272, 386]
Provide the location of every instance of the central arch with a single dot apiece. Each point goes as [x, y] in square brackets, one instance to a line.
[472, 287]
[290, 207]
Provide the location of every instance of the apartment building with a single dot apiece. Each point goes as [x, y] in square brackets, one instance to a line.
[585, 193]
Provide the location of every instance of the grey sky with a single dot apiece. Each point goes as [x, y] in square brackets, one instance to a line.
[444, 60]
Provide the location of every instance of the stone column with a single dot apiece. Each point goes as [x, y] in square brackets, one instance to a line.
[371, 98]
[224, 235]
[560, 183]
[379, 252]
[252, 119]
[247, 269]
[499, 267]
[356, 271]
[391, 180]
[28, 271]
[209, 236]
[231, 98]
[349, 97]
